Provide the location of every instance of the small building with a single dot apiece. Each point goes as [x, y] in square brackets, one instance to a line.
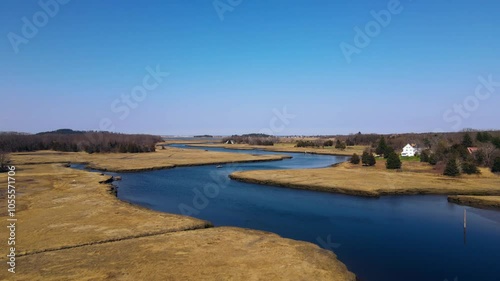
[230, 142]
[472, 149]
[409, 151]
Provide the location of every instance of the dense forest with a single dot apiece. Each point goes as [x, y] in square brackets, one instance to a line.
[74, 141]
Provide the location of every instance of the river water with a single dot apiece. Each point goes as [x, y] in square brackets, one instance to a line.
[388, 238]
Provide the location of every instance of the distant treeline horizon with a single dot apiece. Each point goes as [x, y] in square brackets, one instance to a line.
[68, 140]
[396, 139]
[252, 139]
[94, 141]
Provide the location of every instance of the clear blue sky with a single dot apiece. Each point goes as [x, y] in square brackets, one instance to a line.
[227, 76]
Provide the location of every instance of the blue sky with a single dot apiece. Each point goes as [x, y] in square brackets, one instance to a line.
[419, 72]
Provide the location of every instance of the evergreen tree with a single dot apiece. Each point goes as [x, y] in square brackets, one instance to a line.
[451, 168]
[424, 156]
[458, 150]
[479, 137]
[368, 159]
[355, 159]
[371, 160]
[382, 146]
[467, 140]
[470, 168]
[433, 159]
[337, 143]
[328, 143]
[496, 165]
[393, 161]
[496, 142]
[340, 145]
[483, 137]
[487, 137]
[364, 157]
[388, 151]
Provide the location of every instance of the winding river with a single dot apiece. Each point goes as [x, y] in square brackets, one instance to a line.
[388, 238]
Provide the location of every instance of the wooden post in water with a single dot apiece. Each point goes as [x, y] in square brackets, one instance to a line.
[465, 218]
[465, 226]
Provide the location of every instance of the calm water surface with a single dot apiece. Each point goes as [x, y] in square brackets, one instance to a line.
[389, 238]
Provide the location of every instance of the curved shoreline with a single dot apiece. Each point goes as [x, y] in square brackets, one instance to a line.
[361, 193]
[276, 149]
[89, 165]
[483, 202]
[345, 178]
[339, 190]
[161, 159]
[94, 167]
[85, 228]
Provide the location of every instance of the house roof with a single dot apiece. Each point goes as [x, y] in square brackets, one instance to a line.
[472, 149]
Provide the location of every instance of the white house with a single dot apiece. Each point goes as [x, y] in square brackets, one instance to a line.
[409, 151]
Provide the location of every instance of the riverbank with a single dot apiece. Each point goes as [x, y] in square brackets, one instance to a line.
[70, 227]
[280, 147]
[346, 178]
[169, 157]
[486, 202]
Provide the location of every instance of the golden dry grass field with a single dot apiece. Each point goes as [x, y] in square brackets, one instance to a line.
[125, 162]
[346, 178]
[71, 228]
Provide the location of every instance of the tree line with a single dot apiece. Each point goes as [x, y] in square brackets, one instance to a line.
[74, 141]
[320, 143]
[427, 140]
[252, 139]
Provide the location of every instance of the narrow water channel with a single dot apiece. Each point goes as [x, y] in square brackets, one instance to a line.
[379, 239]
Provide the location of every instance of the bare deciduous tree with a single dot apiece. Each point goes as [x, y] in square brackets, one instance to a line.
[489, 151]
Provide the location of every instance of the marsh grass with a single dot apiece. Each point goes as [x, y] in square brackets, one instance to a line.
[413, 178]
